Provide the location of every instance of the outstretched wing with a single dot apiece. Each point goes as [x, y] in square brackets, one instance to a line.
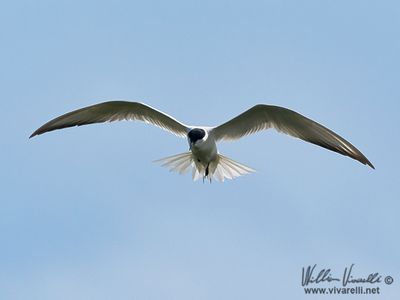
[115, 111]
[284, 120]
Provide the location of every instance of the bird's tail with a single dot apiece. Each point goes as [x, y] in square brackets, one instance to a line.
[224, 167]
[220, 169]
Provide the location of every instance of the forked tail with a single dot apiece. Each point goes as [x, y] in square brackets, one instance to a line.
[222, 167]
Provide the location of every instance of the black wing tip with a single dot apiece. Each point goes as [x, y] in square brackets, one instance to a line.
[369, 164]
[33, 134]
[38, 131]
[364, 161]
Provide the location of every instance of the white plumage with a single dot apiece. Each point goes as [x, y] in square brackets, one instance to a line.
[203, 156]
[222, 167]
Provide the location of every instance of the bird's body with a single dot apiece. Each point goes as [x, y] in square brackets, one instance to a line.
[203, 156]
[203, 147]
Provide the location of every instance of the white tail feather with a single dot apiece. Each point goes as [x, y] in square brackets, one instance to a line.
[222, 167]
[177, 163]
[228, 168]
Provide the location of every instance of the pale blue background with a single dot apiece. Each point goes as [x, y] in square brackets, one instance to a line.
[85, 214]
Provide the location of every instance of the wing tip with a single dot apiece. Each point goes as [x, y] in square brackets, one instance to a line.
[368, 163]
[33, 134]
[364, 161]
[38, 131]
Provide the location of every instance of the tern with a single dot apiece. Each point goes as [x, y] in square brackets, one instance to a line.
[203, 156]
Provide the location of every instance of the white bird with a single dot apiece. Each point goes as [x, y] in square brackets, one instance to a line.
[203, 156]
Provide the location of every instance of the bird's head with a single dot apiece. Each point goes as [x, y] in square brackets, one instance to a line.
[196, 135]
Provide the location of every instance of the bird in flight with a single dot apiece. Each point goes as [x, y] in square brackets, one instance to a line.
[203, 156]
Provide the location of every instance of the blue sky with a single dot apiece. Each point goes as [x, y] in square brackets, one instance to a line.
[86, 214]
